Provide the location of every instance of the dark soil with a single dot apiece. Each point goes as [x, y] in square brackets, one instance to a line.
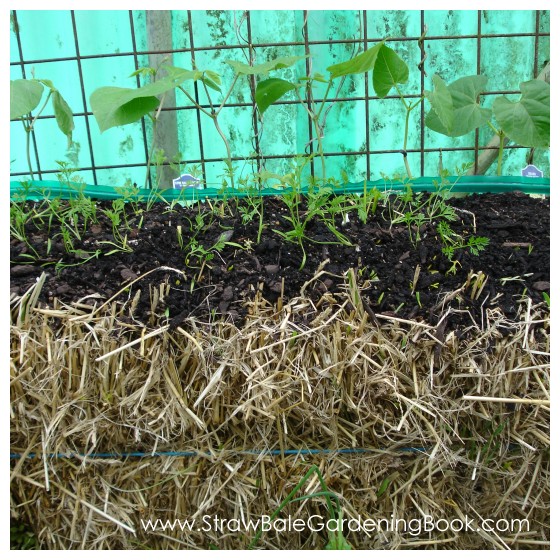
[516, 261]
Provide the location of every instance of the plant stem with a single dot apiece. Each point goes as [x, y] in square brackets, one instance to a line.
[320, 146]
[28, 129]
[214, 114]
[500, 151]
[193, 101]
[260, 220]
[40, 111]
[226, 143]
[325, 98]
[226, 97]
[408, 108]
[28, 148]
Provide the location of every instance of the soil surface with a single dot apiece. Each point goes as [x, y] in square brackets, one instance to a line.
[397, 275]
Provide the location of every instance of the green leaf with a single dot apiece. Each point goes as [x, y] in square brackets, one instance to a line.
[265, 67]
[364, 62]
[63, 115]
[338, 542]
[384, 486]
[114, 106]
[467, 113]
[318, 77]
[442, 103]
[389, 70]
[527, 121]
[143, 71]
[269, 91]
[25, 95]
[47, 83]
[212, 80]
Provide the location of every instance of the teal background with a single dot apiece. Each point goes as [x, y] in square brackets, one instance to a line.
[106, 44]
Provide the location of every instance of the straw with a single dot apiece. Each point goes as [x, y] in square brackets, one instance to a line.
[127, 424]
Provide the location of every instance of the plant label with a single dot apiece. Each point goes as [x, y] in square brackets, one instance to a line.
[186, 181]
[531, 171]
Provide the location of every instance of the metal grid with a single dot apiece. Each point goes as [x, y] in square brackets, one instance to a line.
[365, 43]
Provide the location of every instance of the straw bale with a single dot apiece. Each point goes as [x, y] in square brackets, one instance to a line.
[233, 401]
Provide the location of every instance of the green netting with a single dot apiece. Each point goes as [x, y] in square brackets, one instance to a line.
[113, 43]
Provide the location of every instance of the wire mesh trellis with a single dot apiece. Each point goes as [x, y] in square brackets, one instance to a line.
[362, 140]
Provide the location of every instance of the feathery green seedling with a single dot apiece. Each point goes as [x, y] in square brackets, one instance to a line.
[81, 208]
[366, 202]
[453, 242]
[117, 215]
[323, 205]
[253, 203]
[418, 209]
[318, 206]
[19, 218]
[195, 251]
[248, 209]
[66, 239]
[120, 245]
[129, 192]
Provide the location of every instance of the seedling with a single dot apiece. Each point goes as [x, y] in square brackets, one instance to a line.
[120, 245]
[66, 239]
[453, 242]
[477, 283]
[84, 257]
[366, 202]
[195, 250]
[336, 540]
[18, 219]
[399, 307]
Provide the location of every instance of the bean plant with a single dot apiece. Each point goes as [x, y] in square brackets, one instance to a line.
[456, 111]
[25, 97]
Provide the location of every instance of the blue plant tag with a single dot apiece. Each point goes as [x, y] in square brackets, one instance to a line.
[186, 181]
[531, 171]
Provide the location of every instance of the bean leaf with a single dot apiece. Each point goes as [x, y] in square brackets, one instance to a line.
[389, 70]
[25, 95]
[265, 67]
[527, 121]
[271, 90]
[467, 112]
[364, 62]
[63, 115]
[442, 103]
[114, 106]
